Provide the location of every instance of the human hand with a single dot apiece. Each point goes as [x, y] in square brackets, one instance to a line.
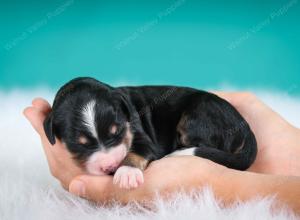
[266, 124]
[165, 175]
[60, 161]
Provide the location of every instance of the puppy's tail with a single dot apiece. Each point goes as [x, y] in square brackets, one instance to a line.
[241, 159]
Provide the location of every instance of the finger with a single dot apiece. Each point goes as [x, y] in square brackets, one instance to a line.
[217, 92]
[42, 105]
[237, 99]
[36, 118]
[96, 188]
[225, 95]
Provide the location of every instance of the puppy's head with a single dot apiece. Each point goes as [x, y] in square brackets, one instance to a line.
[93, 121]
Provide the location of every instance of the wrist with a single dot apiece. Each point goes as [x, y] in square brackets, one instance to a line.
[224, 182]
[210, 173]
[235, 185]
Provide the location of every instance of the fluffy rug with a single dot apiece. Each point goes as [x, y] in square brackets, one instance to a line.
[27, 191]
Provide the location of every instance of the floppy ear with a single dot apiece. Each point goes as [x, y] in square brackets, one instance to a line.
[125, 105]
[49, 129]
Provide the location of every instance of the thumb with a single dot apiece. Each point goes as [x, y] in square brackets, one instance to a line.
[96, 188]
[36, 118]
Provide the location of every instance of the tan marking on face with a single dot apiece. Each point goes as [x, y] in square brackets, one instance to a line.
[128, 136]
[134, 160]
[113, 129]
[82, 140]
[181, 127]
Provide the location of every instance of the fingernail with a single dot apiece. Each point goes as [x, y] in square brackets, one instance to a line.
[77, 187]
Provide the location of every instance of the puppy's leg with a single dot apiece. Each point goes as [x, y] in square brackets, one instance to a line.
[202, 129]
[130, 173]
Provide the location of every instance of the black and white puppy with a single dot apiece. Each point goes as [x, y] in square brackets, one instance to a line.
[120, 130]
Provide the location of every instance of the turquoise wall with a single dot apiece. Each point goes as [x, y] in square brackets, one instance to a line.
[184, 42]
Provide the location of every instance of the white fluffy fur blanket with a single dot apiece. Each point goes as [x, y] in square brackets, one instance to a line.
[27, 191]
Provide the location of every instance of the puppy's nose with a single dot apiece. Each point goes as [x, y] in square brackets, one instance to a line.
[109, 169]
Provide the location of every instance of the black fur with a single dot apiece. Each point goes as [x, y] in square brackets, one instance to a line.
[162, 119]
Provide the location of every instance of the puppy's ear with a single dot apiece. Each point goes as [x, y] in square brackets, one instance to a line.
[49, 129]
[125, 104]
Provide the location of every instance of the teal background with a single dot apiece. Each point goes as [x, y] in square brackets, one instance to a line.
[196, 43]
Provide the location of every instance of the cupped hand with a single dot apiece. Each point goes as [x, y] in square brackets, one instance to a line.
[165, 175]
[278, 150]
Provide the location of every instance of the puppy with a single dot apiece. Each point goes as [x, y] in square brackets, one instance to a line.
[120, 130]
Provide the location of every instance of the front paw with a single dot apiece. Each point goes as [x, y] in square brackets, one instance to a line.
[128, 177]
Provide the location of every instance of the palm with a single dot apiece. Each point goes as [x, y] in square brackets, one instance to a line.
[277, 140]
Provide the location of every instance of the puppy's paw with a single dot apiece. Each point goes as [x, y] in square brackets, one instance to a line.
[128, 177]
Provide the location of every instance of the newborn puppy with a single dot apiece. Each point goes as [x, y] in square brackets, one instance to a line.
[120, 130]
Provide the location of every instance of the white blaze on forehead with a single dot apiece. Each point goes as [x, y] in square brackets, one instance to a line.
[88, 113]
